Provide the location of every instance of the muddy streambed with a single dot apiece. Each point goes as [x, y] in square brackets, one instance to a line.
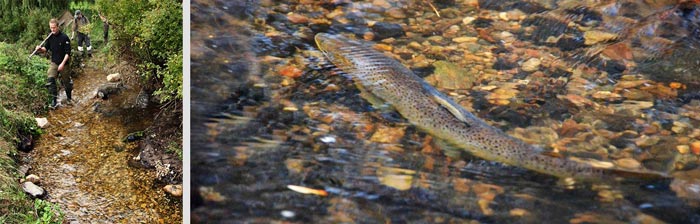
[82, 159]
[605, 80]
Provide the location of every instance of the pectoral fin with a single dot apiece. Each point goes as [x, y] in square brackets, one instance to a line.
[448, 104]
[377, 103]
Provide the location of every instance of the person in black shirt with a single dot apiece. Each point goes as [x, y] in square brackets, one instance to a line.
[59, 45]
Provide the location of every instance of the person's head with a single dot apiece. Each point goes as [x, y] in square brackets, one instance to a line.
[53, 25]
[78, 13]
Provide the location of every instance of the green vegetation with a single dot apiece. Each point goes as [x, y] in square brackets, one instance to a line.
[151, 33]
[23, 94]
[25, 21]
[20, 73]
[147, 32]
[175, 148]
[47, 212]
[22, 82]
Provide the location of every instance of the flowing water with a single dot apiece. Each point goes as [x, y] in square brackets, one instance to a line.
[605, 80]
[82, 159]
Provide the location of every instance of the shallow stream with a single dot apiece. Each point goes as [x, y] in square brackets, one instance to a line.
[613, 81]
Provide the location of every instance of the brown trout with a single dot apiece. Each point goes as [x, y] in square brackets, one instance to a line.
[383, 79]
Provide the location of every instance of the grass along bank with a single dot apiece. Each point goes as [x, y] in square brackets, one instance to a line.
[23, 95]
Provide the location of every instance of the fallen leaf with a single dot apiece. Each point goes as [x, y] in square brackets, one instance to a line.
[306, 190]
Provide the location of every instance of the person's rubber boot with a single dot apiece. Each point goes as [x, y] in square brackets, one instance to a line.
[53, 93]
[69, 91]
[89, 51]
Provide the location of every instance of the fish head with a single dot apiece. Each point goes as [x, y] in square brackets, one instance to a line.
[331, 46]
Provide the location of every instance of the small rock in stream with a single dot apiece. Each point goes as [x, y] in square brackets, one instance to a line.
[108, 89]
[23, 169]
[531, 65]
[42, 122]
[134, 136]
[174, 190]
[33, 190]
[33, 178]
[116, 77]
[385, 30]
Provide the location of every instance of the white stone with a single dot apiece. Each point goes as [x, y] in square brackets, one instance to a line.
[42, 122]
[33, 178]
[32, 189]
[116, 77]
[174, 190]
[288, 214]
[328, 139]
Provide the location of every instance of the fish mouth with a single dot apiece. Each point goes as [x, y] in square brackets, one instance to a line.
[322, 41]
[331, 45]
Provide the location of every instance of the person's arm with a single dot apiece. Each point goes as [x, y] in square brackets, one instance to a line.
[43, 49]
[66, 48]
[63, 63]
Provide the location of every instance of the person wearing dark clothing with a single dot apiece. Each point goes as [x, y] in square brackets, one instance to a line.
[105, 27]
[80, 26]
[59, 45]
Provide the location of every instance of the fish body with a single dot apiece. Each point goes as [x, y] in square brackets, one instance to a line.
[383, 78]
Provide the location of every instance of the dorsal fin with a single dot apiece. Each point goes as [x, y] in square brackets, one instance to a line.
[448, 104]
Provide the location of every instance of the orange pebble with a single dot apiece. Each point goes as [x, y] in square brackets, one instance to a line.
[695, 147]
[676, 85]
[290, 71]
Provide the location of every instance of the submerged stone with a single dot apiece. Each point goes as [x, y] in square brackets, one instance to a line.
[174, 190]
[385, 30]
[450, 76]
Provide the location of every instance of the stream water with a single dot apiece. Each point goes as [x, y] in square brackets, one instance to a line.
[82, 159]
[613, 81]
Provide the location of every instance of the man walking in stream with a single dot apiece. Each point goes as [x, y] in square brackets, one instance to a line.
[59, 45]
[81, 28]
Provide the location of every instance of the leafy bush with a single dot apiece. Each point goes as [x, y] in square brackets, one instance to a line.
[22, 80]
[152, 32]
[172, 79]
[37, 27]
[15, 122]
[47, 212]
[19, 19]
